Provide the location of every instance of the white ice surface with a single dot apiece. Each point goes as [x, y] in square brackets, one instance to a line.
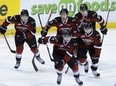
[46, 76]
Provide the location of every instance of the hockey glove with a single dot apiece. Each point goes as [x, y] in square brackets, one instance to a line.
[43, 33]
[41, 41]
[103, 30]
[3, 29]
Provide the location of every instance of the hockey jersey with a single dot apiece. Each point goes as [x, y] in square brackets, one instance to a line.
[27, 29]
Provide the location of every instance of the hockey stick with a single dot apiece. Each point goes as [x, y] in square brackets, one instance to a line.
[45, 28]
[67, 70]
[105, 24]
[13, 51]
[33, 60]
[102, 36]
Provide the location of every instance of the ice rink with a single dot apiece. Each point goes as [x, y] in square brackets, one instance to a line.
[46, 76]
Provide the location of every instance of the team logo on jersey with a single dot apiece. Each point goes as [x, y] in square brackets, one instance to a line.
[87, 41]
[22, 29]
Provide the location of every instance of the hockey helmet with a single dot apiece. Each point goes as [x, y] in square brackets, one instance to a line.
[84, 9]
[24, 12]
[67, 34]
[88, 27]
[64, 11]
[24, 15]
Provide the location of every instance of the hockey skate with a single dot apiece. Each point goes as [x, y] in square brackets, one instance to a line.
[78, 80]
[86, 67]
[94, 71]
[40, 59]
[59, 78]
[17, 65]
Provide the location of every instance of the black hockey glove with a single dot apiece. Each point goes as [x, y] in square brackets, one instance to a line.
[41, 41]
[103, 30]
[44, 33]
[3, 29]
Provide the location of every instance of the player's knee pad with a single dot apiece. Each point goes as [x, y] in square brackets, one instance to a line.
[82, 60]
[19, 49]
[32, 42]
[34, 50]
[95, 60]
[94, 68]
[58, 64]
[72, 62]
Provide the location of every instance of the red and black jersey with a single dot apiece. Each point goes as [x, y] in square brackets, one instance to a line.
[62, 46]
[92, 17]
[27, 28]
[86, 40]
[60, 25]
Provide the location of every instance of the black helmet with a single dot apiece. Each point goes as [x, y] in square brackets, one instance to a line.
[24, 12]
[83, 7]
[87, 25]
[88, 28]
[67, 32]
[67, 35]
[64, 11]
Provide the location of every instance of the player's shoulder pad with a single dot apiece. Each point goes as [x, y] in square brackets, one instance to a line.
[53, 21]
[72, 19]
[78, 15]
[92, 13]
[57, 19]
[74, 40]
[15, 17]
[81, 30]
[31, 20]
[96, 33]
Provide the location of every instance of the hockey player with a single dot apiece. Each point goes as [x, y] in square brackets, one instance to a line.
[86, 15]
[25, 27]
[62, 22]
[89, 40]
[64, 46]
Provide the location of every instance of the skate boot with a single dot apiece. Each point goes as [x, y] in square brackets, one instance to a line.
[17, 65]
[86, 67]
[78, 80]
[59, 78]
[94, 71]
[40, 59]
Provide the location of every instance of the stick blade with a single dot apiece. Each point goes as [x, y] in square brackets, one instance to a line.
[33, 63]
[13, 51]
